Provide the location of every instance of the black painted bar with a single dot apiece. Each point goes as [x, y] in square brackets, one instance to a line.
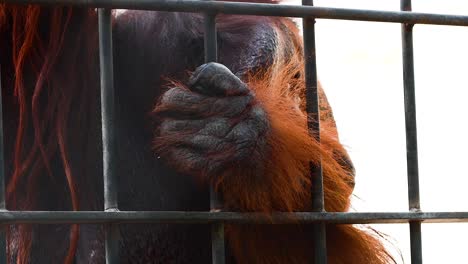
[3, 256]
[416, 242]
[411, 135]
[217, 229]
[210, 38]
[193, 217]
[222, 7]
[108, 135]
[312, 106]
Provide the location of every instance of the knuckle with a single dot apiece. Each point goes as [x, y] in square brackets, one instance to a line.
[216, 79]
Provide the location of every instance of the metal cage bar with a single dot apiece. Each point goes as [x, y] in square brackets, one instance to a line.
[411, 134]
[111, 217]
[3, 228]
[195, 217]
[217, 229]
[222, 7]
[108, 133]
[312, 105]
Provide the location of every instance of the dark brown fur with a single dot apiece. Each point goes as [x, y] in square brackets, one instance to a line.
[50, 85]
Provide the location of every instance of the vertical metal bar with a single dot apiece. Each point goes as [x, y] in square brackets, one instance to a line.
[217, 229]
[3, 255]
[211, 41]
[320, 240]
[411, 134]
[108, 136]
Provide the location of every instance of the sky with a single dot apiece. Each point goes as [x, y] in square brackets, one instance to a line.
[360, 67]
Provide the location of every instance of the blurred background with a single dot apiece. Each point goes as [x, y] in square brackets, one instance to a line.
[360, 67]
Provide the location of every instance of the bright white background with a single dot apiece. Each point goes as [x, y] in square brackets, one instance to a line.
[360, 66]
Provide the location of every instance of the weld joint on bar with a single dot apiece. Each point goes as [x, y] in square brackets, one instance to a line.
[311, 19]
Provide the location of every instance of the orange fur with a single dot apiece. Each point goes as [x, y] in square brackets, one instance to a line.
[285, 185]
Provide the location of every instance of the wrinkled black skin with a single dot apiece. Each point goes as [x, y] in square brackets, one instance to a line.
[169, 45]
[149, 49]
[176, 47]
[211, 124]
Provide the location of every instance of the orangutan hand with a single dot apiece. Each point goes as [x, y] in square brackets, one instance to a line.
[213, 124]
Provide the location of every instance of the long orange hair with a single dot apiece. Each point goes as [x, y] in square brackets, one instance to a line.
[52, 59]
[47, 48]
[280, 90]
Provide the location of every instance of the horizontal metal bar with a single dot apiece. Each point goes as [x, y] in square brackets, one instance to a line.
[262, 9]
[179, 217]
